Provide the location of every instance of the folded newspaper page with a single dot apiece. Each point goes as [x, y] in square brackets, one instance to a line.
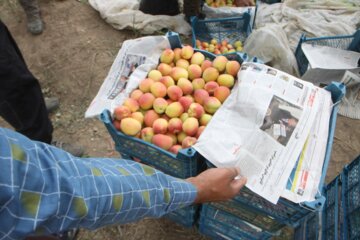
[133, 62]
[263, 126]
[327, 64]
[304, 180]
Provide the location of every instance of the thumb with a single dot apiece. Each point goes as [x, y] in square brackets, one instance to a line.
[238, 184]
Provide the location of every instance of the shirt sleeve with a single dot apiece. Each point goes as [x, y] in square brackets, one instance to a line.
[46, 190]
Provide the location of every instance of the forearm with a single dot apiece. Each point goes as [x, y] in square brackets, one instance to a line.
[47, 190]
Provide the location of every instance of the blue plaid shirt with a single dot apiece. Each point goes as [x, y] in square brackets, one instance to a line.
[46, 190]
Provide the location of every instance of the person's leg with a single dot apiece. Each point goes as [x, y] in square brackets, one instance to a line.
[21, 100]
[35, 24]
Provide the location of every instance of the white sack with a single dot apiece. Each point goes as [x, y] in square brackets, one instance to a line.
[308, 20]
[125, 14]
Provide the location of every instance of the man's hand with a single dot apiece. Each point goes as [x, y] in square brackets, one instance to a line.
[217, 184]
[244, 3]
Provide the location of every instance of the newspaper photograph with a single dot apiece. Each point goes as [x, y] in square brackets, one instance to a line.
[134, 60]
[262, 127]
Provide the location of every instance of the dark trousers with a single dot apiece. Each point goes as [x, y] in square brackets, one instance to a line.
[21, 100]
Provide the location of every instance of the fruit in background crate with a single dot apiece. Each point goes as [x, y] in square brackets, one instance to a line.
[183, 63]
[122, 112]
[175, 149]
[150, 117]
[187, 52]
[200, 130]
[186, 101]
[197, 58]
[220, 63]
[190, 126]
[158, 89]
[174, 109]
[211, 105]
[185, 85]
[226, 80]
[130, 126]
[167, 56]
[196, 110]
[198, 83]
[165, 69]
[145, 85]
[210, 74]
[167, 81]
[160, 125]
[210, 87]
[200, 95]
[160, 105]
[205, 119]
[175, 103]
[222, 93]
[219, 48]
[222, 3]
[181, 136]
[173, 137]
[147, 134]
[232, 68]
[163, 141]
[136, 94]
[175, 125]
[146, 101]
[138, 116]
[188, 142]
[206, 64]
[178, 72]
[194, 71]
[174, 93]
[155, 75]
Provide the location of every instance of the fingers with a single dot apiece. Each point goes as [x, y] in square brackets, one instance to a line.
[237, 185]
[233, 172]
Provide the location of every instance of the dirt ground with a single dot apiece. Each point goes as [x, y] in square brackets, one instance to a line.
[71, 59]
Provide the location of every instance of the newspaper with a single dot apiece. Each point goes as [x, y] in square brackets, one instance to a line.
[350, 105]
[262, 128]
[327, 64]
[134, 60]
[304, 179]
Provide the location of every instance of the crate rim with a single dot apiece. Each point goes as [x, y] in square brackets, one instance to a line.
[105, 117]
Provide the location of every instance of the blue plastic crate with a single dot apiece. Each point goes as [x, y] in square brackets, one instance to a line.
[348, 42]
[219, 224]
[186, 216]
[230, 29]
[332, 219]
[309, 228]
[251, 215]
[287, 212]
[351, 200]
[187, 163]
